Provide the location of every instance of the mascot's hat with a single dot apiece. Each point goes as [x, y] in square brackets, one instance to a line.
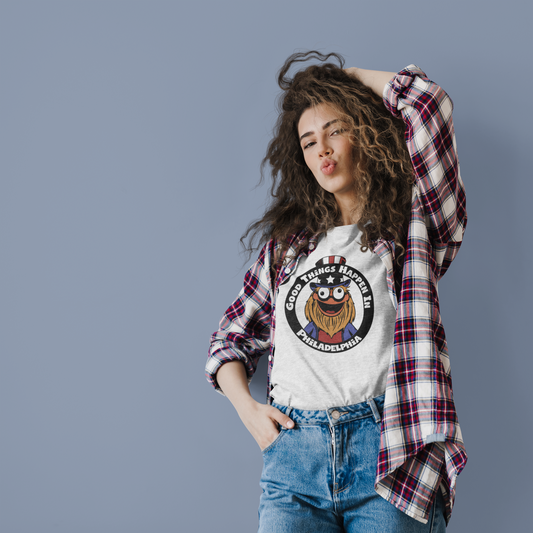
[330, 279]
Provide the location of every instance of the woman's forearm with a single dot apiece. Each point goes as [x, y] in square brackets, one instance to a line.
[232, 379]
[375, 79]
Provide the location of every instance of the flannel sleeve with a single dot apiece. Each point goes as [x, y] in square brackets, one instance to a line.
[244, 331]
[426, 110]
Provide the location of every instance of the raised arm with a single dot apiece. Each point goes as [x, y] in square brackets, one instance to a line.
[426, 110]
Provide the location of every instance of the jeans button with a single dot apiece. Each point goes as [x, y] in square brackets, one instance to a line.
[335, 415]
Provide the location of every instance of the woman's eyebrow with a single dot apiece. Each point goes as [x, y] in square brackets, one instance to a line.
[326, 125]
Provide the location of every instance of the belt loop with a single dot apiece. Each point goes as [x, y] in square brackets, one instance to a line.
[375, 410]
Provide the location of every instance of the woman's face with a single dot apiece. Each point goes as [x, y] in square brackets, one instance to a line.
[327, 150]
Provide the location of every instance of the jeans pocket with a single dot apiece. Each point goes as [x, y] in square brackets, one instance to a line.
[282, 432]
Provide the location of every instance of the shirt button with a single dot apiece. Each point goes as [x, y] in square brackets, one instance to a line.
[335, 415]
[311, 246]
[270, 358]
[287, 270]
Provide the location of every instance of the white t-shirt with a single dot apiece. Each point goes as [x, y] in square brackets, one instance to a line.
[334, 326]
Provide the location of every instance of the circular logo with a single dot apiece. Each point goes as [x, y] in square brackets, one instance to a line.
[330, 307]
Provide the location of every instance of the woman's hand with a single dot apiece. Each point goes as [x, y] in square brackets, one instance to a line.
[375, 79]
[352, 71]
[262, 422]
[260, 419]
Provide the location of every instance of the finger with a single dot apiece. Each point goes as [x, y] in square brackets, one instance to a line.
[282, 419]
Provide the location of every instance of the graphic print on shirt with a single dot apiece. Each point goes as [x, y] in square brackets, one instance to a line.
[330, 307]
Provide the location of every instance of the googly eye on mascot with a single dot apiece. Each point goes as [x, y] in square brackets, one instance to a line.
[330, 308]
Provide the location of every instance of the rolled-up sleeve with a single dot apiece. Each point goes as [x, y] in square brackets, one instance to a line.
[244, 331]
[426, 110]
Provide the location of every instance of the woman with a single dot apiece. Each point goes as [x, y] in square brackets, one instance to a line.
[359, 432]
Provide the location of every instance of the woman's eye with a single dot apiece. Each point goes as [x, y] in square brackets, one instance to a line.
[308, 144]
[323, 293]
[338, 294]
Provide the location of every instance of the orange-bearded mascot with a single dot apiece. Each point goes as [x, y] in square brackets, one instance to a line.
[330, 308]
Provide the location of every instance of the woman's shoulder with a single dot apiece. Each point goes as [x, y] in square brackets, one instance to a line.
[278, 251]
[291, 241]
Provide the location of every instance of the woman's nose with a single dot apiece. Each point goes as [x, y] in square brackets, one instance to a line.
[324, 150]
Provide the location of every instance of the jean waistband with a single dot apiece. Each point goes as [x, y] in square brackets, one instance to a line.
[336, 415]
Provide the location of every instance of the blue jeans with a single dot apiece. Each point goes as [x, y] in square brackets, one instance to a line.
[319, 476]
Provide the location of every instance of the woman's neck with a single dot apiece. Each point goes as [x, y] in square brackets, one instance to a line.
[349, 208]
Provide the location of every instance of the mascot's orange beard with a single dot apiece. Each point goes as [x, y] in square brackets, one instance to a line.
[329, 324]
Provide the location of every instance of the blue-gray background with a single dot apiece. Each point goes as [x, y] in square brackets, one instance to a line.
[131, 137]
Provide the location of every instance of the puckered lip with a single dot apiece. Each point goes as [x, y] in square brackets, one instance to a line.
[327, 162]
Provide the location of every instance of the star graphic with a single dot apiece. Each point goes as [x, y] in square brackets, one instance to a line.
[330, 279]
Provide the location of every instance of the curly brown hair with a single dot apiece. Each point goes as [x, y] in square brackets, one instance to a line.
[383, 173]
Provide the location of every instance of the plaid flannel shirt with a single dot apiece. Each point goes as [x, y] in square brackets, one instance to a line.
[421, 443]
